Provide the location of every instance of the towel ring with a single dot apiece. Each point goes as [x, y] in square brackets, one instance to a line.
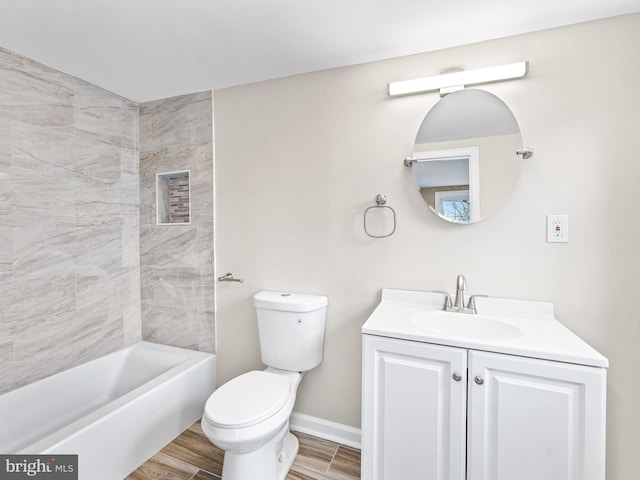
[381, 201]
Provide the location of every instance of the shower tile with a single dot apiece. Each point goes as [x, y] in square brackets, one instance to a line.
[129, 284]
[7, 372]
[29, 99]
[98, 299]
[106, 117]
[5, 57]
[172, 246]
[96, 163]
[6, 252]
[42, 152]
[98, 206]
[5, 147]
[44, 251]
[40, 201]
[35, 303]
[130, 243]
[184, 120]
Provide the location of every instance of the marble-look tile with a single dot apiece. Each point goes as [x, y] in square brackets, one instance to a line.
[184, 277]
[48, 74]
[198, 159]
[130, 162]
[6, 251]
[69, 221]
[130, 243]
[146, 130]
[26, 98]
[42, 152]
[177, 246]
[40, 201]
[7, 374]
[63, 346]
[98, 205]
[34, 304]
[5, 147]
[5, 57]
[107, 117]
[45, 251]
[183, 120]
[98, 298]
[96, 163]
[207, 333]
[129, 284]
[174, 314]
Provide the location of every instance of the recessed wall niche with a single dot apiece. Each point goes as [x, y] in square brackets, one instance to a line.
[173, 198]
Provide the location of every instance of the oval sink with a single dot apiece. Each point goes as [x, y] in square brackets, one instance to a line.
[465, 325]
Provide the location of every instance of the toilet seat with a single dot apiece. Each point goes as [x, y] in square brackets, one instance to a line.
[247, 400]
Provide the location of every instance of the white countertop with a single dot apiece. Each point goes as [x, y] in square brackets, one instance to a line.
[542, 336]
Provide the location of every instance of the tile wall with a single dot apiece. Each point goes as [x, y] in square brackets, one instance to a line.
[177, 260]
[69, 221]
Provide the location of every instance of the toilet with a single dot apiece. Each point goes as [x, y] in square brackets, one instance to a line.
[248, 417]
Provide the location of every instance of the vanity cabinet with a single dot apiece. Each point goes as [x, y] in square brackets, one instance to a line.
[434, 412]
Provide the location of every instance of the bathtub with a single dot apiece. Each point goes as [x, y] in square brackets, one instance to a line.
[113, 412]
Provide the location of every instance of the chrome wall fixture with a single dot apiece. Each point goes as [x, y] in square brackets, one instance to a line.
[449, 82]
[381, 208]
[228, 277]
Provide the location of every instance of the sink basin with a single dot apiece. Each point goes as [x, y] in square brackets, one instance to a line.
[464, 325]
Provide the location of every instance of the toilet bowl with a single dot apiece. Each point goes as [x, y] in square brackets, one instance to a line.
[248, 417]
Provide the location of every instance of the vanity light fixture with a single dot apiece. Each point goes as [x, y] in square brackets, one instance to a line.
[447, 82]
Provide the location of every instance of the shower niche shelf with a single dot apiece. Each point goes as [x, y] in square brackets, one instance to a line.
[173, 198]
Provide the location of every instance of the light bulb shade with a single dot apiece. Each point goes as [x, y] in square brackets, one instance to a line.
[459, 79]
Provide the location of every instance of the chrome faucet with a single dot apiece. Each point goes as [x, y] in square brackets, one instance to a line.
[458, 303]
[461, 286]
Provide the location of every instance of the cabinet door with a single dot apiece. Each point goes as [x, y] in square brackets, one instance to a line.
[534, 419]
[414, 419]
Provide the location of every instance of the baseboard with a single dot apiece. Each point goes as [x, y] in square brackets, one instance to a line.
[327, 430]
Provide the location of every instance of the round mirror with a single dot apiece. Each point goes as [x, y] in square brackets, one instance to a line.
[464, 162]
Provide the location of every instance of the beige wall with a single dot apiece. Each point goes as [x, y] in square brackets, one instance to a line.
[299, 159]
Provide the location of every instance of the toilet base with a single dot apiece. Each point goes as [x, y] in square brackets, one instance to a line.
[270, 462]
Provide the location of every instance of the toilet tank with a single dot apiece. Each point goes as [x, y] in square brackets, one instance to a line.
[291, 329]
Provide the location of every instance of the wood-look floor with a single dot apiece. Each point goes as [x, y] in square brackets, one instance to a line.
[191, 456]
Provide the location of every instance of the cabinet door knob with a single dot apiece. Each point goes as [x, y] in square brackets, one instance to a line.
[479, 380]
[456, 376]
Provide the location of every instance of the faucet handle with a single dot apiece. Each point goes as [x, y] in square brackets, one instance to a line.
[447, 299]
[471, 304]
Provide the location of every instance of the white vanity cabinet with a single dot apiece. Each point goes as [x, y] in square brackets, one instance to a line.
[435, 412]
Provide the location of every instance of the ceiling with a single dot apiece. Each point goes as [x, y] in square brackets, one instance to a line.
[150, 49]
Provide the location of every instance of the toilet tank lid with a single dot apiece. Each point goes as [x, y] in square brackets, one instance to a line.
[289, 302]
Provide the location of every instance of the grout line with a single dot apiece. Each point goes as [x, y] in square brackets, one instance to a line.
[332, 459]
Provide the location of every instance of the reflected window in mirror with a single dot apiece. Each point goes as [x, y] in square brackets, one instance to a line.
[477, 127]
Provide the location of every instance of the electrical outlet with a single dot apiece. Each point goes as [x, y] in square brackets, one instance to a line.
[558, 228]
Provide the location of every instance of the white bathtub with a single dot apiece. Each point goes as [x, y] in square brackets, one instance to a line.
[114, 412]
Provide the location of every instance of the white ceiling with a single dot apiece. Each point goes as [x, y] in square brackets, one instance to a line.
[151, 49]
